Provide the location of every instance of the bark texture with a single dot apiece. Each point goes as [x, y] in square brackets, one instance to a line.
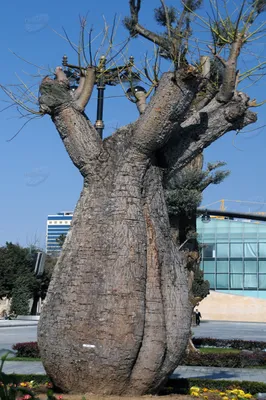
[117, 316]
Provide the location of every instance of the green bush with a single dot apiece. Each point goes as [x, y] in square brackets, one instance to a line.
[20, 297]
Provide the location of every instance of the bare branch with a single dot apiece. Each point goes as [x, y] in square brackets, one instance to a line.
[168, 25]
[85, 89]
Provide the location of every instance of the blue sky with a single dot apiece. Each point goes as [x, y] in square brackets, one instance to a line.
[37, 178]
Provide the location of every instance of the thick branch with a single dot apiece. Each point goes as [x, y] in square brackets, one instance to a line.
[204, 127]
[165, 111]
[228, 86]
[80, 138]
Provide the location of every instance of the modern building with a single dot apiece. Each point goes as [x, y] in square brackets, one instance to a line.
[57, 224]
[234, 255]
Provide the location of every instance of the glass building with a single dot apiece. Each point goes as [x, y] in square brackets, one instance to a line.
[234, 256]
[57, 224]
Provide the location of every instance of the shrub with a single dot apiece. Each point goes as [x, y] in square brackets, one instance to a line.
[27, 349]
[226, 360]
[233, 343]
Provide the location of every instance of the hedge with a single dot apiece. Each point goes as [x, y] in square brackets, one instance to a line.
[227, 343]
[242, 359]
[27, 349]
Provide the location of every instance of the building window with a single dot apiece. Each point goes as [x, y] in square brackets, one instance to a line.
[209, 266]
[236, 281]
[236, 266]
[211, 279]
[250, 281]
[222, 266]
[209, 250]
[262, 266]
[250, 250]
[262, 250]
[222, 281]
[262, 281]
[236, 250]
[251, 267]
[222, 250]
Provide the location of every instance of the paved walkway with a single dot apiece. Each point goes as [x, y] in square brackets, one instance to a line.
[238, 374]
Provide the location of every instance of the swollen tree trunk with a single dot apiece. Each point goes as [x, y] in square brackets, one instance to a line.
[117, 315]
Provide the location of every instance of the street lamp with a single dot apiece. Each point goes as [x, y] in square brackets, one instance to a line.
[205, 218]
[110, 76]
[138, 95]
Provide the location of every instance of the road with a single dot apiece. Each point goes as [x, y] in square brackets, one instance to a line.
[13, 335]
[231, 330]
[219, 330]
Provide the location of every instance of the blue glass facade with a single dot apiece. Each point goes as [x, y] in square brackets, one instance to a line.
[58, 224]
[234, 256]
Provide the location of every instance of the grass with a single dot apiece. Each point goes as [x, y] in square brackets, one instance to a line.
[216, 350]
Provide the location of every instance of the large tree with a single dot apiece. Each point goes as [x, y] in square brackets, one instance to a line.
[118, 311]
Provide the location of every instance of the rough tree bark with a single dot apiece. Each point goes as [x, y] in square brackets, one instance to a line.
[117, 315]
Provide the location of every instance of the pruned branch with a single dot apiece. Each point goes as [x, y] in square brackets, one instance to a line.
[165, 110]
[84, 91]
[228, 86]
[203, 128]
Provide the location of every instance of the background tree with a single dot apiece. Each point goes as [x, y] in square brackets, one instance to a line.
[17, 278]
[118, 312]
[61, 239]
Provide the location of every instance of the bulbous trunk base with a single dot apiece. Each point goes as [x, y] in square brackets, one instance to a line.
[117, 315]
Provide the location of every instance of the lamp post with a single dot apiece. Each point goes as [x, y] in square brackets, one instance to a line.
[99, 124]
[111, 77]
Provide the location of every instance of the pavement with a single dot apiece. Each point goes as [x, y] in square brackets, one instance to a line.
[232, 374]
[14, 323]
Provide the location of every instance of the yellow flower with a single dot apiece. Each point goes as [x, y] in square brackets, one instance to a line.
[23, 384]
[195, 394]
[205, 390]
[195, 388]
[248, 396]
[221, 393]
[225, 398]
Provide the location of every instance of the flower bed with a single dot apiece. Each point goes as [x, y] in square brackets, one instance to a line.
[205, 393]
